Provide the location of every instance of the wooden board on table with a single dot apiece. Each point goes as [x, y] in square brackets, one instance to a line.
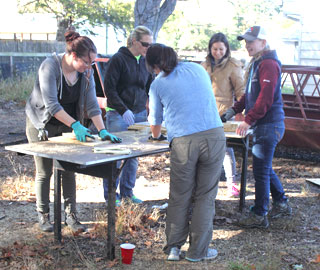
[71, 138]
[145, 126]
[231, 126]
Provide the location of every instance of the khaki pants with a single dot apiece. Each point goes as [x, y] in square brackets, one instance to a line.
[196, 162]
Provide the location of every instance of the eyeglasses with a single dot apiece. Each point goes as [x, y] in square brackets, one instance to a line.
[86, 63]
[145, 44]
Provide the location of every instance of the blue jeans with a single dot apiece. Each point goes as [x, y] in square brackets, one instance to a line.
[265, 140]
[229, 165]
[127, 178]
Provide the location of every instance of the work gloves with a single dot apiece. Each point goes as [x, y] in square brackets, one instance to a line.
[43, 134]
[160, 138]
[228, 115]
[105, 135]
[81, 132]
[128, 117]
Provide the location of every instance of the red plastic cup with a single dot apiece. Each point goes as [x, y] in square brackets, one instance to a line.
[127, 252]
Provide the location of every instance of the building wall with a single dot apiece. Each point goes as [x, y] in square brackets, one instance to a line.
[310, 48]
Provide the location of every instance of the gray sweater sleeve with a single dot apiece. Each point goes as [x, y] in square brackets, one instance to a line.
[50, 80]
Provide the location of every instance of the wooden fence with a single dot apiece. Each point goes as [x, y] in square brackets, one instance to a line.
[18, 57]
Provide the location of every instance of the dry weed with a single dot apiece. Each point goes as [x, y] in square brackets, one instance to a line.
[18, 186]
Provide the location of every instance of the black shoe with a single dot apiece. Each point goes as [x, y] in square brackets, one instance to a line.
[254, 221]
[73, 223]
[44, 222]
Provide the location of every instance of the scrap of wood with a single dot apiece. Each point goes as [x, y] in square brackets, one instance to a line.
[70, 138]
[230, 126]
[315, 181]
[145, 126]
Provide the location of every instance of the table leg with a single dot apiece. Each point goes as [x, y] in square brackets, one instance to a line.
[243, 185]
[57, 204]
[111, 176]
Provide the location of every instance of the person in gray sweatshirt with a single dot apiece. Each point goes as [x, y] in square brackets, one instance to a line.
[63, 96]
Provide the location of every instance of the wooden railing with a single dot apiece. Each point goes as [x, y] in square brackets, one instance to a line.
[304, 101]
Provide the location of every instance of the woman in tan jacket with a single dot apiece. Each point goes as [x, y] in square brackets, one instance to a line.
[227, 83]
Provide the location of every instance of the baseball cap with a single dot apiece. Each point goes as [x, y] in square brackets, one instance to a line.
[253, 33]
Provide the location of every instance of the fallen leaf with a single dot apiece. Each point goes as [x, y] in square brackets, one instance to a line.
[63, 253]
[112, 263]
[317, 260]
[40, 236]
[148, 243]
[21, 223]
[56, 247]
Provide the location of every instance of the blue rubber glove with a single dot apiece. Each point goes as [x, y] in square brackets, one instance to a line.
[128, 117]
[81, 132]
[105, 135]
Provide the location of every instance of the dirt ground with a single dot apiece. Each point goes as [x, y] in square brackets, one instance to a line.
[292, 243]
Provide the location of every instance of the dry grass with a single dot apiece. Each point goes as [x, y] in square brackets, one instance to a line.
[288, 242]
[19, 185]
[18, 88]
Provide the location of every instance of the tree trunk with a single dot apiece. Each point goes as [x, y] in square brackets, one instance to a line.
[150, 14]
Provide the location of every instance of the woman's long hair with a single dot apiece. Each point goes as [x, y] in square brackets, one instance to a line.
[218, 37]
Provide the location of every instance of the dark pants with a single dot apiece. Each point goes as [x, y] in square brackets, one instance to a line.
[127, 179]
[44, 171]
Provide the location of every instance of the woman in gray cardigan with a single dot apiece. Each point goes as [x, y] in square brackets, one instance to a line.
[63, 95]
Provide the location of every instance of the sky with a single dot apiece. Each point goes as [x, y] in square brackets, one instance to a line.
[199, 11]
[12, 21]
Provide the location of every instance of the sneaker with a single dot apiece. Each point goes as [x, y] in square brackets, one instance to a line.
[118, 203]
[254, 221]
[211, 254]
[280, 209]
[73, 223]
[44, 222]
[174, 254]
[134, 199]
[233, 191]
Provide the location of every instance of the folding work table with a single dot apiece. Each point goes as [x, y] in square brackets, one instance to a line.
[80, 158]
